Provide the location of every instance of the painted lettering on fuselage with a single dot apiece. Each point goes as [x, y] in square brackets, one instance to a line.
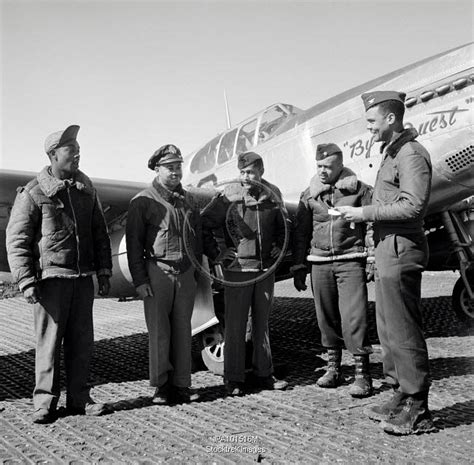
[437, 121]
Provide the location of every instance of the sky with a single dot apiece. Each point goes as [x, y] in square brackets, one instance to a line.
[139, 74]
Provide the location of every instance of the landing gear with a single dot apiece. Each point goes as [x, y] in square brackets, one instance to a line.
[462, 304]
[462, 244]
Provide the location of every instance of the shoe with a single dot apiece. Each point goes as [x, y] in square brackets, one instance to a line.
[91, 409]
[234, 388]
[361, 387]
[333, 376]
[271, 383]
[388, 409]
[162, 395]
[43, 416]
[183, 395]
[96, 410]
[330, 379]
[413, 418]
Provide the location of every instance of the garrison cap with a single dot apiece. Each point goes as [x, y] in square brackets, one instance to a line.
[247, 158]
[326, 150]
[61, 138]
[168, 153]
[374, 98]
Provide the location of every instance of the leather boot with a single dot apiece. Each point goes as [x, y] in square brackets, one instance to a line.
[388, 409]
[333, 376]
[362, 385]
[413, 418]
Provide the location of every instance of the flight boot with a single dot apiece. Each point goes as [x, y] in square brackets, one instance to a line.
[234, 388]
[183, 395]
[333, 376]
[270, 383]
[162, 395]
[362, 385]
[413, 418]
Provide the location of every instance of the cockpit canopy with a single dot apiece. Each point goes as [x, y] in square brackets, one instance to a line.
[251, 132]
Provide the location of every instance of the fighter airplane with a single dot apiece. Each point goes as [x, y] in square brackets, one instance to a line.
[439, 105]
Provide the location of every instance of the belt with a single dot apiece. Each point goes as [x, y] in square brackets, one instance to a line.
[171, 267]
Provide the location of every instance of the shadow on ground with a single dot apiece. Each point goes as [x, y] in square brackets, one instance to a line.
[295, 345]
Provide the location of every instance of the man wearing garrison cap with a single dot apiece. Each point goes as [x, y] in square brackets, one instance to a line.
[56, 241]
[400, 200]
[163, 274]
[250, 213]
[337, 253]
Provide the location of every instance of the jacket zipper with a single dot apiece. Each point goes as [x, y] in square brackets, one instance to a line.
[180, 238]
[75, 229]
[259, 233]
[331, 238]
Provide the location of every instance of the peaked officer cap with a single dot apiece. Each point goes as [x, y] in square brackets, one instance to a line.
[168, 153]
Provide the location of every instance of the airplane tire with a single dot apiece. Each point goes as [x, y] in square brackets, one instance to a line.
[463, 307]
[212, 353]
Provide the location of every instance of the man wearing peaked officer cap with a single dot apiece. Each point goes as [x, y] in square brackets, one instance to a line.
[163, 274]
[337, 254]
[60, 210]
[168, 153]
[250, 214]
[399, 203]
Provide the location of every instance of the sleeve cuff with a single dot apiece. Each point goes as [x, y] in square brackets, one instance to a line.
[104, 272]
[295, 268]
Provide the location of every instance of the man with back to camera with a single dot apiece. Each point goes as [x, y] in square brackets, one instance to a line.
[56, 240]
[250, 214]
[400, 200]
[338, 255]
[163, 274]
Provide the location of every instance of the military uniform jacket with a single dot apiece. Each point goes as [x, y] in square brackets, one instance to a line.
[163, 226]
[402, 187]
[57, 230]
[320, 237]
[251, 224]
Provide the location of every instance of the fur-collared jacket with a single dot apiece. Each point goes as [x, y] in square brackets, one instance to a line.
[252, 223]
[320, 237]
[57, 229]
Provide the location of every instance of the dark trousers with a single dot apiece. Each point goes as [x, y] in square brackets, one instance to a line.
[340, 298]
[64, 313]
[238, 301]
[168, 319]
[400, 261]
